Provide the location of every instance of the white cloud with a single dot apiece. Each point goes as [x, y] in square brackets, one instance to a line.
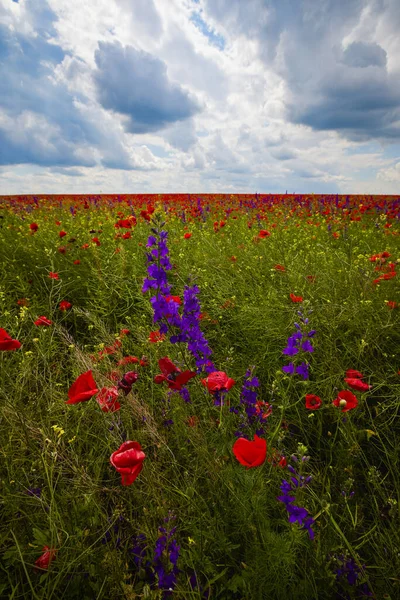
[291, 99]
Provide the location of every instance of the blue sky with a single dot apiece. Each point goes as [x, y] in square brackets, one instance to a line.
[131, 96]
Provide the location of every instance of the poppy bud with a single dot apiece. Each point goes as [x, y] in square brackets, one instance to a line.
[127, 381]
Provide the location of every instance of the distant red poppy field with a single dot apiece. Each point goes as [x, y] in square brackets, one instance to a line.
[200, 396]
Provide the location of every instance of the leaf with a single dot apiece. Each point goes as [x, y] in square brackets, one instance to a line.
[41, 537]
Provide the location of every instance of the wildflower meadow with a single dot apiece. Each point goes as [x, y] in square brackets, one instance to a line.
[199, 397]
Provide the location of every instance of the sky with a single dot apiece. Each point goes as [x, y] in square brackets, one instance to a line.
[191, 96]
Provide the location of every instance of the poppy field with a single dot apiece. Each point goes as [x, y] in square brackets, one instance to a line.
[199, 397]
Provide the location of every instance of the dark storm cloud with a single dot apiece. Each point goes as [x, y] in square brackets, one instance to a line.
[134, 83]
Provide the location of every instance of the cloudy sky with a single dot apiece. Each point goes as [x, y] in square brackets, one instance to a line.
[136, 96]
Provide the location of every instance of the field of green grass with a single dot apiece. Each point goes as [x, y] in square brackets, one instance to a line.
[276, 480]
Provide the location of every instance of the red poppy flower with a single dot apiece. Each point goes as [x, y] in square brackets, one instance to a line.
[82, 389]
[77, 262]
[113, 375]
[64, 305]
[313, 402]
[145, 215]
[43, 562]
[357, 384]
[250, 453]
[264, 409]
[7, 343]
[128, 460]
[124, 223]
[387, 276]
[345, 400]
[277, 459]
[144, 362]
[193, 421]
[354, 374]
[217, 381]
[187, 236]
[107, 399]
[174, 298]
[263, 233]
[296, 298]
[34, 227]
[124, 332]
[43, 322]
[54, 275]
[172, 375]
[127, 235]
[62, 249]
[22, 302]
[391, 304]
[62, 234]
[233, 259]
[111, 349]
[279, 268]
[128, 360]
[85, 246]
[228, 304]
[311, 278]
[156, 336]
[283, 462]
[96, 241]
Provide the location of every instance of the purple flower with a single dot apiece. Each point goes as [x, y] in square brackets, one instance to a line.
[288, 369]
[307, 346]
[296, 514]
[190, 331]
[302, 370]
[34, 492]
[166, 553]
[184, 393]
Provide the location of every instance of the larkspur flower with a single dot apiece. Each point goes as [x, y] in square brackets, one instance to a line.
[296, 514]
[296, 343]
[165, 559]
[256, 410]
[190, 331]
